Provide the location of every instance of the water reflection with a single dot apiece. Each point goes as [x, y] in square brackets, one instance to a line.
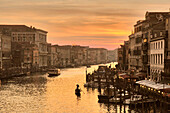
[38, 93]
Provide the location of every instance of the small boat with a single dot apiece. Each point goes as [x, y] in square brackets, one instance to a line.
[88, 66]
[53, 72]
[115, 100]
[103, 98]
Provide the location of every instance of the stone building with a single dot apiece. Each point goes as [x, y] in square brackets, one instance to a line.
[154, 36]
[126, 55]
[64, 55]
[97, 56]
[123, 56]
[49, 55]
[25, 55]
[120, 57]
[135, 47]
[91, 56]
[166, 73]
[103, 55]
[148, 45]
[79, 55]
[54, 56]
[157, 50]
[115, 55]
[111, 56]
[22, 33]
[5, 51]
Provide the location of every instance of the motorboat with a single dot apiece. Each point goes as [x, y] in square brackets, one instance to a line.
[88, 66]
[53, 72]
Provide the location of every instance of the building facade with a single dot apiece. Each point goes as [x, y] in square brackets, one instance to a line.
[120, 57]
[22, 33]
[5, 51]
[25, 55]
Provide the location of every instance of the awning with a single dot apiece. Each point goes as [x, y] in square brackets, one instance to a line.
[152, 84]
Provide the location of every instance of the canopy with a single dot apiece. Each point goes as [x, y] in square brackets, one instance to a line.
[152, 84]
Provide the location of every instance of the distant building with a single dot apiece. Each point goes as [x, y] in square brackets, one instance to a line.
[49, 55]
[126, 55]
[22, 33]
[115, 56]
[97, 56]
[123, 56]
[111, 56]
[64, 55]
[79, 55]
[135, 46]
[120, 57]
[5, 51]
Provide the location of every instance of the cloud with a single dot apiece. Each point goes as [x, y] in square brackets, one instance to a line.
[96, 23]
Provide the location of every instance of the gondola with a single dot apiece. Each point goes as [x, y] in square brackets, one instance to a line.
[77, 92]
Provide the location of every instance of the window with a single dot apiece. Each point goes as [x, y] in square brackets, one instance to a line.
[158, 58]
[153, 59]
[158, 45]
[161, 44]
[151, 36]
[161, 33]
[23, 38]
[161, 59]
[19, 39]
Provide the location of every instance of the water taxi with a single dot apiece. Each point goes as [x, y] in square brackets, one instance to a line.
[53, 72]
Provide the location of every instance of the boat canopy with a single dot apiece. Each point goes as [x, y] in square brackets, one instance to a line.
[152, 84]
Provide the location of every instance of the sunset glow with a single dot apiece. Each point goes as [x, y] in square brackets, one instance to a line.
[95, 23]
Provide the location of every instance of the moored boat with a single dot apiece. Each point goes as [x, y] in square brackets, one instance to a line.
[88, 66]
[53, 72]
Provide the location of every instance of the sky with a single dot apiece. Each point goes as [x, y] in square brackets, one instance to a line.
[94, 23]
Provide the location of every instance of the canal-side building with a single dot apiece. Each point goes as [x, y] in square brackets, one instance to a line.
[25, 55]
[111, 55]
[92, 55]
[64, 53]
[136, 54]
[103, 55]
[97, 56]
[126, 55]
[115, 55]
[166, 74]
[154, 36]
[157, 51]
[54, 56]
[123, 56]
[79, 55]
[5, 51]
[23, 33]
[120, 57]
[49, 55]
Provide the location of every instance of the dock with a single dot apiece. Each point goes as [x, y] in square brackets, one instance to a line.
[126, 85]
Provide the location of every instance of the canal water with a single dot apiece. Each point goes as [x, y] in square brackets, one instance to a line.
[39, 93]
